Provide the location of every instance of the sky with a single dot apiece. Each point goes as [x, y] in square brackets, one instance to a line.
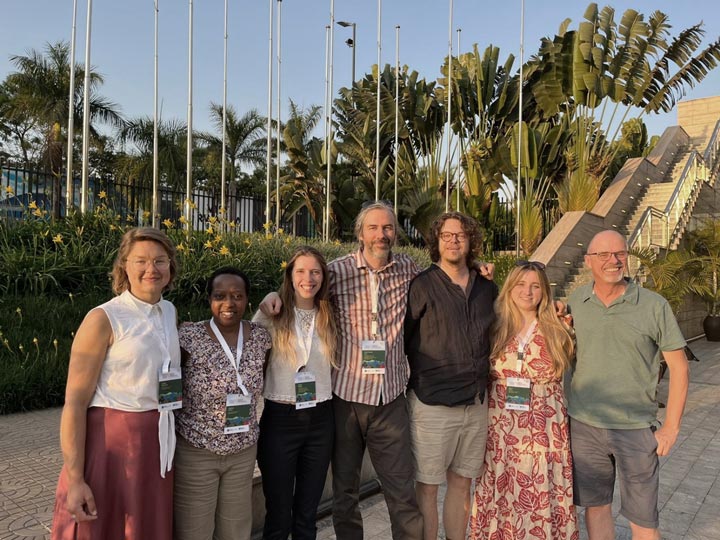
[122, 44]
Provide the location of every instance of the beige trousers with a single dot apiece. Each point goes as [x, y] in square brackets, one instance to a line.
[213, 494]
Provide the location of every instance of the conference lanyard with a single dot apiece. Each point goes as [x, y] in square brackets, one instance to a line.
[235, 362]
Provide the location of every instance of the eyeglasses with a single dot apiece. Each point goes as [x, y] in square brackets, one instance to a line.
[537, 265]
[605, 255]
[447, 236]
[144, 264]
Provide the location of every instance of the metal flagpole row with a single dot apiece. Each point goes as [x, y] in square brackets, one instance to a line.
[326, 121]
[268, 158]
[71, 119]
[520, 110]
[328, 115]
[377, 116]
[279, 130]
[188, 185]
[86, 114]
[459, 161]
[397, 111]
[156, 181]
[224, 113]
[449, 103]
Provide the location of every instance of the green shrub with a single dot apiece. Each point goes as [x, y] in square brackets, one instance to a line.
[53, 273]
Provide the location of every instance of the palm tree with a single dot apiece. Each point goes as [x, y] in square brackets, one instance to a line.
[244, 140]
[40, 90]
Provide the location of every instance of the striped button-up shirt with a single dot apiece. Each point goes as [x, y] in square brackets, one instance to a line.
[350, 292]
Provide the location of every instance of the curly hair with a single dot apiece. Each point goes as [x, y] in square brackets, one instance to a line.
[469, 226]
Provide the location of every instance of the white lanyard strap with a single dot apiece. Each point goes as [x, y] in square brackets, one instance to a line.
[235, 362]
[374, 292]
[523, 342]
[305, 341]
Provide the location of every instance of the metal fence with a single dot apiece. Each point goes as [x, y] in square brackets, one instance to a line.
[20, 187]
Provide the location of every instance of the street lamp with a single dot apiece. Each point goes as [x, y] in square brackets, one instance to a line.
[350, 43]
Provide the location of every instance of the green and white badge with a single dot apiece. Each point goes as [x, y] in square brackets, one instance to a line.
[237, 413]
[517, 396]
[169, 389]
[305, 391]
[373, 357]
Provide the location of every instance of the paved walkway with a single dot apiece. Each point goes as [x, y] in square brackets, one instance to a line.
[30, 462]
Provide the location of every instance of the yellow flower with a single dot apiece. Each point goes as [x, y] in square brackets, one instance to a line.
[113, 227]
[190, 203]
[222, 211]
[218, 238]
[231, 224]
[288, 239]
[336, 242]
[268, 236]
[279, 231]
[32, 205]
[37, 212]
[210, 230]
[22, 349]
[181, 247]
[212, 219]
[224, 250]
[209, 244]
[267, 225]
[146, 215]
[283, 265]
[182, 219]
[247, 242]
[9, 190]
[18, 311]
[58, 238]
[168, 224]
[102, 195]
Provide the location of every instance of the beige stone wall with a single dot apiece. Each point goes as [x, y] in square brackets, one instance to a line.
[698, 118]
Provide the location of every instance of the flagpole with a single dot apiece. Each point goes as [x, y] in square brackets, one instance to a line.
[86, 114]
[520, 110]
[71, 119]
[224, 114]
[279, 134]
[155, 124]
[188, 184]
[329, 119]
[397, 111]
[377, 115]
[268, 157]
[449, 104]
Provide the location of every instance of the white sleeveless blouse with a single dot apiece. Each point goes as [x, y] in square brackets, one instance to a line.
[144, 336]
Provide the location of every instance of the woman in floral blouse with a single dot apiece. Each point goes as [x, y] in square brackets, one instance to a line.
[217, 427]
[525, 490]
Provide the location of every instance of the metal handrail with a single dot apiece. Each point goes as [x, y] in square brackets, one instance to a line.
[685, 189]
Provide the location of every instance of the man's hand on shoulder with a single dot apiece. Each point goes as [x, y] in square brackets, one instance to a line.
[486, 270]
[271, 304]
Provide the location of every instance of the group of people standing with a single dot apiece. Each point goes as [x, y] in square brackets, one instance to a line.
[436, 373]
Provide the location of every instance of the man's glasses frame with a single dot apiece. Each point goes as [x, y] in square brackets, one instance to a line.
[605, 255]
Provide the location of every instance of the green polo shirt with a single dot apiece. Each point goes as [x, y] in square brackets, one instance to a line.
[614, 380]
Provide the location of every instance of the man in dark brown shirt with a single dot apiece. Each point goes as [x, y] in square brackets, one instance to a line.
[447, 326]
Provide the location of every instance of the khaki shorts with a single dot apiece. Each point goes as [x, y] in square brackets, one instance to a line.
[447, 439]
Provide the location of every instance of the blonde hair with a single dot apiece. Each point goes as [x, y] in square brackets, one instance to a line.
[509, 322]
[120, 282]
[282, 325]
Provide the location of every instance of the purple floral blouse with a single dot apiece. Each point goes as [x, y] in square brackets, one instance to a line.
[208, 378]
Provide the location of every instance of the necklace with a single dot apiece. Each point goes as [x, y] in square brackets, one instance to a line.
[305, 318]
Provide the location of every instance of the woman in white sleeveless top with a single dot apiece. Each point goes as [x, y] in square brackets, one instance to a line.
[297, 426]
[117, 444]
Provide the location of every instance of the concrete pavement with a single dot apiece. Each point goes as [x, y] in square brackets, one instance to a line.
[30, 462]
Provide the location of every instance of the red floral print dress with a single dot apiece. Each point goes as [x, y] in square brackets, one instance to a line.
[525, 491]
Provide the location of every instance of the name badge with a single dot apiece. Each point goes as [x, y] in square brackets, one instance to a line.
[169, 389]
[237, 413]
[373, 357]
[305, 390]
[517, 396]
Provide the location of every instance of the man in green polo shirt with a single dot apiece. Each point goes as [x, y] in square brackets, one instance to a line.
[620, 329]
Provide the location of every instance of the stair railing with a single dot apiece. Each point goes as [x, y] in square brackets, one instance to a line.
[655, 223]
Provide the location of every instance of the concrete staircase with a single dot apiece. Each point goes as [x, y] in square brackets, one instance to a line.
[651, 200]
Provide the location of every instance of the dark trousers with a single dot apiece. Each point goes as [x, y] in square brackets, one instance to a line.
[294, 453]
[384, 430]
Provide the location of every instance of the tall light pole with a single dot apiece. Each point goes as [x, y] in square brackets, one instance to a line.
[224, 115]
[397, 111]
[520, 109]
[188, 177]
[268, 157]
[377, 115]
[86, 114]
[277, 168]
[328, 119]
[155, 121]
[350, 43]
[326, 143]
[71, 119]
[457, 170]
[449, 104]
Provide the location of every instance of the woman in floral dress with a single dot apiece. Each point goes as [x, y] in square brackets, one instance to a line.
[525, 491]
